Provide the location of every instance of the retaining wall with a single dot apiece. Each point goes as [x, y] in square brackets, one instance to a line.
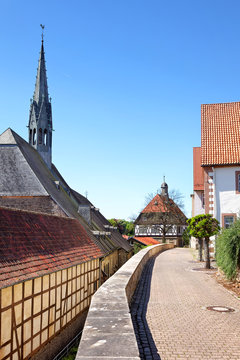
[108, 332]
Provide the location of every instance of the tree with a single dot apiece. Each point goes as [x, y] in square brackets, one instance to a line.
[124, 227]
[203, 227]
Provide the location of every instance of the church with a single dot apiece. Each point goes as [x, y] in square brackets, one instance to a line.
[161, 219]
[56, 248]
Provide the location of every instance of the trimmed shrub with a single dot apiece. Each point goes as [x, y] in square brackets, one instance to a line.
[228, 250]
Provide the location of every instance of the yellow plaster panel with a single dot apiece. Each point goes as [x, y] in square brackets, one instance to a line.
[28, 288]
[15, 356]
[18, 292]
[64, 275]
[52, 297]
[26, 349]
[6, 320]
[18, 313]
[52, 279]
[36, 324]
[58, 302]
[4, 351]
[78, 283]
[37, 285]
[45, 300]
[69, 316]
[37, 304]
[6, 296]
[45, 282]
[51, 330]
[27, 330]
[57, 326]
[44, 336]
[78, 270]
[45, 319]
[69, 287]
[74, 271]
[51, 315]
[69, 270]
[27, 312]
[36, 342]
[74, 285]
[59, 277]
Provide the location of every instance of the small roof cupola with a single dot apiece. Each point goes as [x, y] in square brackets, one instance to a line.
[40, 117]
[164, 188]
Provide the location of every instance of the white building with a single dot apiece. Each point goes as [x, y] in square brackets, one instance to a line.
[216, 164]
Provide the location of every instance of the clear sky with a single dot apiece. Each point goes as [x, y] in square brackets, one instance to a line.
[127, 79]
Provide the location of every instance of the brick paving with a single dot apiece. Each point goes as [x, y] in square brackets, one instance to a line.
[176, 315]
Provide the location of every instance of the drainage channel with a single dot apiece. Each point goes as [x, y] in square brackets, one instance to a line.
[138, 309]
[66, 350]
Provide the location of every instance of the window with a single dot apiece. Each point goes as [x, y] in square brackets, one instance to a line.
[34, 136]
[228, 220]
[45, 137]
[30, 136]
[237, 181]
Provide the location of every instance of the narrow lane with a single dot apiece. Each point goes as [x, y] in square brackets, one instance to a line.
[180, 324]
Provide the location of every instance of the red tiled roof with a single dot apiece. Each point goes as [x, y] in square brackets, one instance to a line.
[220, 134]
[159, 204]
[198, 174]
[34, 244]
[147, 240]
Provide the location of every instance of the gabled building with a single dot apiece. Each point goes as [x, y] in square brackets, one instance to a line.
[217, 163]
[161, 219]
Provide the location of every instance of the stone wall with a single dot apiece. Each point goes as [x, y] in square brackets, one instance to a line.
[108, 331]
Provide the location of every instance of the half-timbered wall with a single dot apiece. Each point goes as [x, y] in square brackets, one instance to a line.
[34, 311]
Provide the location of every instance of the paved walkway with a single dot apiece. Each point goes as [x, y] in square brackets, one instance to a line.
[176, 314]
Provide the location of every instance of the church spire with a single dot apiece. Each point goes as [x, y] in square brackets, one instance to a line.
[40, 118]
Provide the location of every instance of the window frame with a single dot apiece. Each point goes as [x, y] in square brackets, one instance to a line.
[237, 181]
[233, 215]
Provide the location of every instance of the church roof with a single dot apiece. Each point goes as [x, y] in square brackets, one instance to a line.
[33, 244]
[24, 173]
[159, 205]
[220, 134]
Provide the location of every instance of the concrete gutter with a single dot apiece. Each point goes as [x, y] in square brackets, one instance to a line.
[108, 332]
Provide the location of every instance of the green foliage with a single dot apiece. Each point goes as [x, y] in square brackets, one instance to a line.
[125, 227]
[137, 247]
[203, 226]
[72, 354]
[186, 237]
[228, 250]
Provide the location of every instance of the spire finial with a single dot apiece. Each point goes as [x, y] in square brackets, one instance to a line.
[164, 178]
[42, 26]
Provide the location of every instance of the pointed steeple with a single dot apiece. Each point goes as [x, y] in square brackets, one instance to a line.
[164, 188]
[41, 88]
[40, 118]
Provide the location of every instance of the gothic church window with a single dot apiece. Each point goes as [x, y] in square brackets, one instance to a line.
[34, 136]
[30, 136]
[45, 137]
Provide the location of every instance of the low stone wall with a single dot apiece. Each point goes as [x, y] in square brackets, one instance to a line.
[108, 332]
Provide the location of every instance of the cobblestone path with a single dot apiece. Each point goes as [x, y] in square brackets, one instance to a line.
[177, 319]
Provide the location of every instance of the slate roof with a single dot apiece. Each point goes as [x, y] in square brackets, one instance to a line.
[198, 173]
[33, 244]
[101, 222]
[42, 180]
[153, 212]
[220, 134]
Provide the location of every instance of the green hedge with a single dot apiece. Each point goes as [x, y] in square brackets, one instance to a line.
[228, 250]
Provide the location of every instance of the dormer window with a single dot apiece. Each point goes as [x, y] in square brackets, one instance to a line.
[45, 137]
[156, 203]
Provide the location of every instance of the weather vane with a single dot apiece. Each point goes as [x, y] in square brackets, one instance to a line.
[42, 26]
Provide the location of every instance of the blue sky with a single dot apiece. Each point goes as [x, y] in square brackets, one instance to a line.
[127, 79]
